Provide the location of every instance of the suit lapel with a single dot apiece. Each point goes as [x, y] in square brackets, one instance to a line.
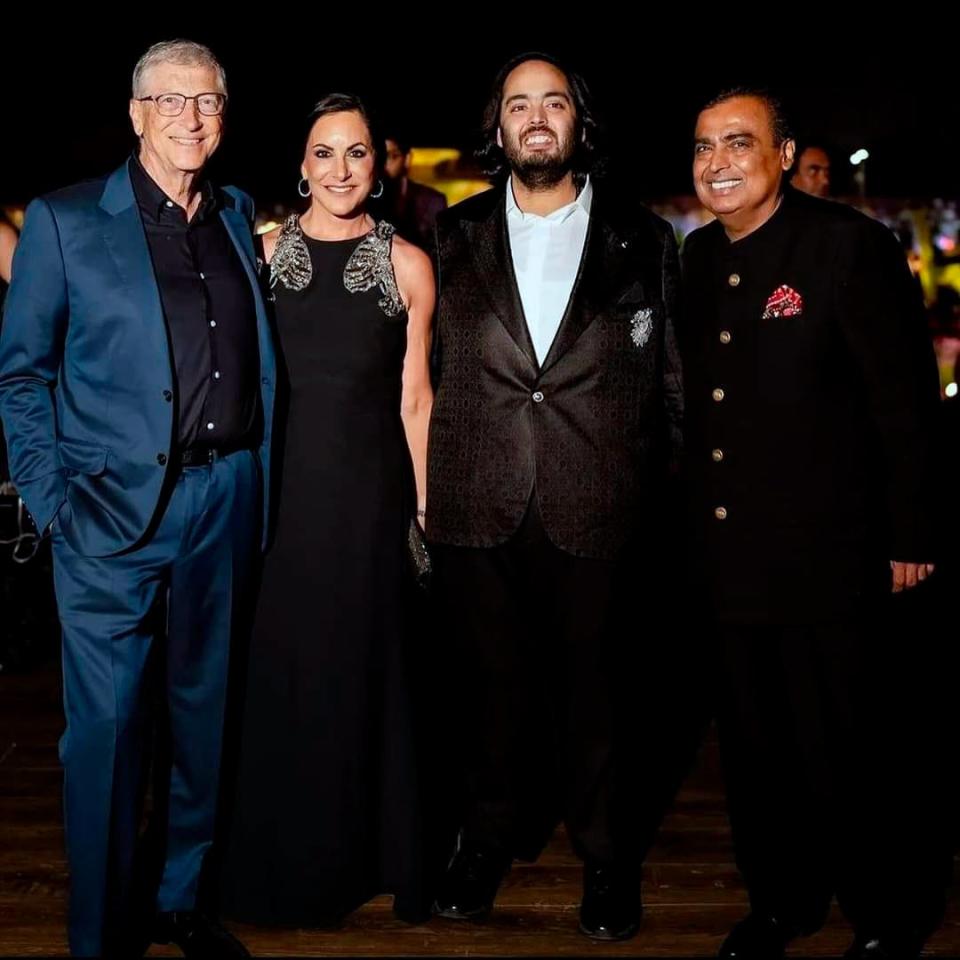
[489, 242]
[127, 242]
[600, 266]
[238, 230]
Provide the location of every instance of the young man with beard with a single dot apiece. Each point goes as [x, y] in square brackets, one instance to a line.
[554, 427]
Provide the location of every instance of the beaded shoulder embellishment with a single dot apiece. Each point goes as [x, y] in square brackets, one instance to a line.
[291, 264]
[370, 266]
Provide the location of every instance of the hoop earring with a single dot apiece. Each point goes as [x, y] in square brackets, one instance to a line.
[378, 193]
[300, 185]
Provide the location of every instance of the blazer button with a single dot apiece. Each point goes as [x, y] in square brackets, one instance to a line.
[167, 395]
[717, 455]
[537, 397]
[734, 279]
[725, 337]
[720, 513]
[161, 459]
[718, 394]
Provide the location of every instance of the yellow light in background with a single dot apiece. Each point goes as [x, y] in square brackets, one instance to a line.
[432, 156]
[457, 190]
[951, 390]
[267, 226]
[426, 165]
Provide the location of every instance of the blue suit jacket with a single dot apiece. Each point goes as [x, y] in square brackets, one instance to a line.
[85, 360]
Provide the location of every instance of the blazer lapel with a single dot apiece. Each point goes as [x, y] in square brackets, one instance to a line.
[127, 242]
[600, 266]
[489, 242]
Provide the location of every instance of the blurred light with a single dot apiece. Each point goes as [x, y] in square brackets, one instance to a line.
[267, 226]
[859, 156]
[945, 243]
[431, 156]
[951, 390]
[457, 190]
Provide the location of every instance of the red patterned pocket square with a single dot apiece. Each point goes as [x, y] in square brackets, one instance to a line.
[783, 302]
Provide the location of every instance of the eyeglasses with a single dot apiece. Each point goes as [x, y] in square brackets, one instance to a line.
[173, 104]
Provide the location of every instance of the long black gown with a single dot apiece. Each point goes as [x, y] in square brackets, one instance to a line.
[326, 809]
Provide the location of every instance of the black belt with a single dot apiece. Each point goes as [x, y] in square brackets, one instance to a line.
[201, 456]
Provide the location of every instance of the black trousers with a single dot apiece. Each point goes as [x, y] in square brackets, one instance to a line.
[550, 699]
[831, 780]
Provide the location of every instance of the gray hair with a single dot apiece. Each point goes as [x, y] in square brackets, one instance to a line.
[183, 53]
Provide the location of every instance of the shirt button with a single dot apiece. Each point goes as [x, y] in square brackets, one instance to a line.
[725, 336]
[717, 455]
[213, 323]
[216, 374]
[167, 395]
[161, 458]
[720, 513]
[537, 397]
[718, 394]
[210, 425]
[734, 279]
[169, 203]
[202, 277]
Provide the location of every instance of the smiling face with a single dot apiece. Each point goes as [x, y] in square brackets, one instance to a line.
[737, 165]
[340, 163]
[173, 146]
[538, 123]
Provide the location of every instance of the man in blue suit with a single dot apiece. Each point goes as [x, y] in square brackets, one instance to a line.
[136, 390]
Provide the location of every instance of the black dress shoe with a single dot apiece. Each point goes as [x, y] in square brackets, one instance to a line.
[197, 935]
[869, 947]
[470, 885]
[759, 936]
[611, 907]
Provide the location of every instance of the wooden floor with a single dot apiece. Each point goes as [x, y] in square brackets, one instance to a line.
[692, 892]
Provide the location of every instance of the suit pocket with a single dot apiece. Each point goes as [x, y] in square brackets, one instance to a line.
[83, 457]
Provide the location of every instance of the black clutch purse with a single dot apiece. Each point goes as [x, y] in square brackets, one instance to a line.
[420, 563]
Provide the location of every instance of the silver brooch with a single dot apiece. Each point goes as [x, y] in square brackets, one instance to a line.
[370, 266]
[291, 259]
[641, 326]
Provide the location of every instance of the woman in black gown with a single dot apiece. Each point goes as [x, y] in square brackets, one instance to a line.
[326, 806]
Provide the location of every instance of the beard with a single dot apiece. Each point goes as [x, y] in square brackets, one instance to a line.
[539, 170]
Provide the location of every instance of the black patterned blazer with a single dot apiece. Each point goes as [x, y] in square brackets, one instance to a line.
[593, 431]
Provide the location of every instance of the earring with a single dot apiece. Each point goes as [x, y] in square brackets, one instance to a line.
[378, 193]
[303, 183]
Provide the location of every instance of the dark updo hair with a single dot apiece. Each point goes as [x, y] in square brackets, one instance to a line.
[350, 103]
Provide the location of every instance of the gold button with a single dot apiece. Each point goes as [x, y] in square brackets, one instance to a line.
[734, 279]
[717, 455]
[718, 394]
[725, 336]
[720, 513]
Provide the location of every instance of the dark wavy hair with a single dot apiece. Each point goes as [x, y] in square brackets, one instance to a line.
[349, 103]
[587, 157]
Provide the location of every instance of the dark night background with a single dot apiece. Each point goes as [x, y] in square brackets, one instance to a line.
[65, 118]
